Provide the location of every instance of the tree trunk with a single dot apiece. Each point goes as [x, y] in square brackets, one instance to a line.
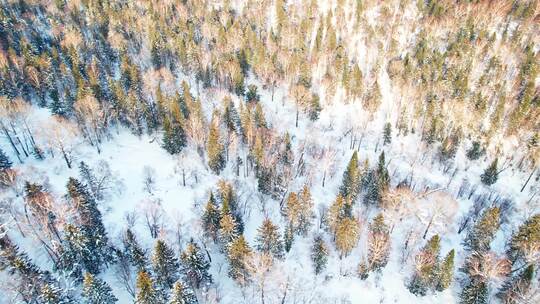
[528, 179]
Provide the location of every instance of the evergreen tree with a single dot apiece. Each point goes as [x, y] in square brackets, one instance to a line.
[228, 229]
[5, 163]
[181, 294]
[230, 116]
[286, 155]
[382, 173]
[491, 174]
[269, 240]
[482, 233]
[288, 237]
[427, 260]
[211, 219]
[387, 133]
[476, 151]
[516, 288]
[373, 190]
[97, 291]
[164, 265]
[252, 95]
[347, 235]
[299, 210]
[196, 265]
[174, 137]
[94, 237]
[319, 254]
[445, 272]
[52, 294]
[350, 186]
[238, 254]
[146, 292]
[314, 107]
[475, 292]
[526, 241]
[215, 149]
[135, 253]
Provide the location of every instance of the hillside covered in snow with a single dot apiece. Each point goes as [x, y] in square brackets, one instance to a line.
[272, 151]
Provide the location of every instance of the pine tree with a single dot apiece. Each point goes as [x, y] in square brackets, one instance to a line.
[211, 219]
[94, 236]
[319, 254]
[52, 294]
[215, 149]
[491, 174]
[97, 291]
[164, 265]
[135, 253]
[146, 292]
[516, 288]
[5, 163]
[482, 233]
[476, 292]
[286, 155]
[373, 189]
[475, 151]
[526, 241]
[228, 229]
[314, 107]
[229, 202]
[238, 254]
[196, 265]
[445, 272]
[350, 186]
[269, 240]
[252, 95]
[174, 137]
[387, 134]
[181, 294]
[382, 173]
[299, 210]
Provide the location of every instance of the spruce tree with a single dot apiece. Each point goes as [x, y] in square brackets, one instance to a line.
[387, 133]
[238, 254]
[350, 186]
[96, 291]
[5, 163]
[475, 292]
[425, 273]
[252, 95]
[91, 227]
[228, 229]
[181, 294]
[52, 294]
[314, 107]
[382, 173]
[378, 244]
[215, 149]
[196, 265]
[135, 253]
[269, 239]
[491, 174]
[164, 265]
[288, 237]
[319, 254]
[482, 233]
[174, 137]
[211, 218]
[445, 272]
[347, 235]
[146, 291]
[476, 151]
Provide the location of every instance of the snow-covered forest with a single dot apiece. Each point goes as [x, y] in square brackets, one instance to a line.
[269, 151]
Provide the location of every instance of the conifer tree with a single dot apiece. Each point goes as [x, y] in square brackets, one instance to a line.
[181, 294]
[347, 235]
[211, 219]
[382, 173]
[135, 253]
[215, 149]
[196, 265]
[387, 134]
[426, 260]
[93, 234]
[475, 151]
[238, 254]
[491, 174]
[350, 186]
[288, 237]
[445, 272]
[146, 291]
[5, 163]
[228, 229]
[97, 291]
[482, 233]
[475, 292]
[378, 244]
[525, 242]
[314, 107]
[319, 254]
[514, 291]
[164, 265]
[269, 239]
[52, 294]
[174, 137]
[286, 156]
[252, 95]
